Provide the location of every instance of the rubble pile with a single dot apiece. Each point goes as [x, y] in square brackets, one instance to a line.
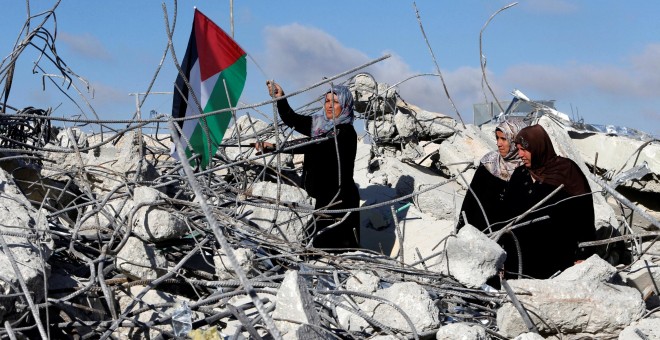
[105, 236]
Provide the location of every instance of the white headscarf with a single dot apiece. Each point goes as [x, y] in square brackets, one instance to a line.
[321, 124]
[502, 167]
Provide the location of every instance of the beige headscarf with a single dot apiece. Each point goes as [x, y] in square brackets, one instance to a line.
[502, 167]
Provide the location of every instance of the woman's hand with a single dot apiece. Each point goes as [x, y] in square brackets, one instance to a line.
[263, 147]
[274, 89]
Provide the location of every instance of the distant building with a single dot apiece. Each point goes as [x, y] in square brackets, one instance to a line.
[485, 112]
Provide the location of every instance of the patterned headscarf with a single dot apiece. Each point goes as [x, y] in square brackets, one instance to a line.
[497, 165]
[321, 124]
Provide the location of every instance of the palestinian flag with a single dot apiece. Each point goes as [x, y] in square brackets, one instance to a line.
[215, 67]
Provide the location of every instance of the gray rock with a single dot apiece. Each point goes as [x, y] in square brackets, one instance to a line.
[649, 327]
[529, 336]
[471, 257]
[427, 125]
[461, 331]
[594, 269]
[410, 297]
[223, 268]
[470, 145]
[440, 202]
[382, 128]
[362, 282]
[140, 260]
[29, 255]
[153, 223]
[289, 225]
[159, 305]
[371, 96]
[572, 307]
[414, 301]
[295, 311]
[108, 166]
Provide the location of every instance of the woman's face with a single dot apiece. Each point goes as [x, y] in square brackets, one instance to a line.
[503, 145]
[332, 106]
[525, 155]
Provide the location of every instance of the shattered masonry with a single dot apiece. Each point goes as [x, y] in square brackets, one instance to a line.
[108, 236]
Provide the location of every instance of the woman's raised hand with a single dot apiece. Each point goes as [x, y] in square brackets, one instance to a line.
[263, 147]
[274, 89]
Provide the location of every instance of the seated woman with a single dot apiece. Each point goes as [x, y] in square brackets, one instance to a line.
[490, 180]
[326, 177]
[549, 245]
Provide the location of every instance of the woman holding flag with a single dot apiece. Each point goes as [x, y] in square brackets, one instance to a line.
[328, 164]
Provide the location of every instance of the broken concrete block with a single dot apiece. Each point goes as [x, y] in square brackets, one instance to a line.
[382, 128]
[29, 255]
[468, 146]
[463, 331]
[471, 257]
[599, 310]
[410, 297]
[161, 304]
[295, 314]
[140, 260]
[649, 327]
[427, 125]
[372, 96]
[153, 223]
[594, 269]
[111, 215]
[439, 202]
[414, 301]
[362, 282]
[223, 268]
[529, 336]
[644, 275]
[289, 225]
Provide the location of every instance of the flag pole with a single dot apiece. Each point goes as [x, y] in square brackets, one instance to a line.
[231, 17]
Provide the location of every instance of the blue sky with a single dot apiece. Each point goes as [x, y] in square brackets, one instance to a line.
[600, 60]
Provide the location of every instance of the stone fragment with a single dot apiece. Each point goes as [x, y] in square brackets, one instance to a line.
[648, 327]
[415, 303]
[223, 268]
[471, 257]
[287, 225]
[152, 222]
[29, 255]
[599, 310]
[140, 260]
[295, 314]
[461, 331]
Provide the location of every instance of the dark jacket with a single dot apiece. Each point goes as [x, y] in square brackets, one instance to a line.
[549, 245]
[490, 191]
[321, 171]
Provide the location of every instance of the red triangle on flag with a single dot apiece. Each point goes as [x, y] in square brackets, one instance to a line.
[215, 49]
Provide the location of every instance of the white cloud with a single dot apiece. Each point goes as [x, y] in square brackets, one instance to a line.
[304, 55]
[646, 66]
[86, 45]
[301, 55]
[637, 80]
[105, 95]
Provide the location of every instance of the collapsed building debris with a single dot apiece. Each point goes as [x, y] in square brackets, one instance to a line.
[116, 244]
[105, 235]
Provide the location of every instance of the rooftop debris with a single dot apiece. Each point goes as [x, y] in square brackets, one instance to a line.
[105, 235]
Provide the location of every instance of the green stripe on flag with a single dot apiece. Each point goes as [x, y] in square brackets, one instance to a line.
[234, 77]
